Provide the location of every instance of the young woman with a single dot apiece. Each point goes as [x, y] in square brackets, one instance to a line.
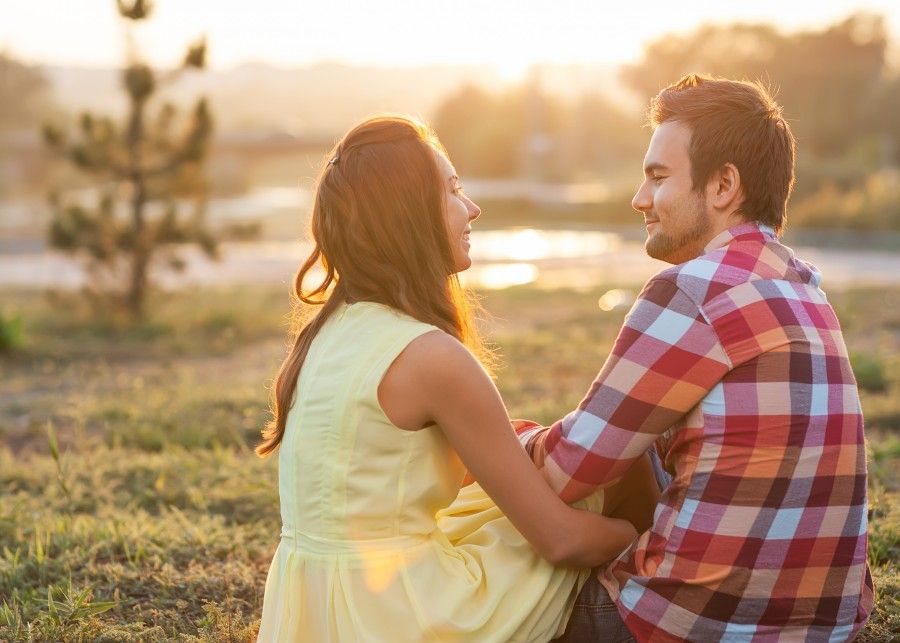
[380, 408]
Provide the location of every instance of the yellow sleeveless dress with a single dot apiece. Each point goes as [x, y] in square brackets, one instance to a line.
[379, 541]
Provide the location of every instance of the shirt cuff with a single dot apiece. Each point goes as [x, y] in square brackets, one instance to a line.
[531, 436]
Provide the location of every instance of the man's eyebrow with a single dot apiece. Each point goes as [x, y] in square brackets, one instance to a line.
[655, 167]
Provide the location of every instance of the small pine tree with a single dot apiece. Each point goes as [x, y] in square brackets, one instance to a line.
[142, 167]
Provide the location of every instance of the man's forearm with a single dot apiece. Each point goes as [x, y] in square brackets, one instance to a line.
[665, 360]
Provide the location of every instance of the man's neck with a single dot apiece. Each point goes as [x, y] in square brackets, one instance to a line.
[725, 236]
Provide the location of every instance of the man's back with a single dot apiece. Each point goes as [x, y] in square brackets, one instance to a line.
[764, 527]
[734, 364]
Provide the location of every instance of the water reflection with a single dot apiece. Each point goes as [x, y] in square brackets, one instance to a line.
[528, 244]
[514, 257]
[497, 276]
[492, 276]
[260, 202]
[575, 259]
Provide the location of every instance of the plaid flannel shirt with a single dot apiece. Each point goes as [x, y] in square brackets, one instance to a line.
[734, 368]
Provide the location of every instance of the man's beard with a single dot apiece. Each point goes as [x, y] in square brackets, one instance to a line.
[682, 245]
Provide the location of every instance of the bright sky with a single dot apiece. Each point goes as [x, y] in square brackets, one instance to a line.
[509, 34]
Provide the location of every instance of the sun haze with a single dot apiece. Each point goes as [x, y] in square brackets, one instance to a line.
[506, 34]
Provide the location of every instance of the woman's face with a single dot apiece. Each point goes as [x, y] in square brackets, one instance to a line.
[460, 210]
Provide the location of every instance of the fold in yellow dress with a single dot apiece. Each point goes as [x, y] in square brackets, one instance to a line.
[379, 541]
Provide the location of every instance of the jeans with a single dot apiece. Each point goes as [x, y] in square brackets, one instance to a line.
[595, 617]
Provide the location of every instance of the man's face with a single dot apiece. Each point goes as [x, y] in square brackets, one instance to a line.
[676, 215]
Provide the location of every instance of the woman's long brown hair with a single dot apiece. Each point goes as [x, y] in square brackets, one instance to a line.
[380, 234]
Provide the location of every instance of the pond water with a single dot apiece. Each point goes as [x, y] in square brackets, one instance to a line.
[580, 259]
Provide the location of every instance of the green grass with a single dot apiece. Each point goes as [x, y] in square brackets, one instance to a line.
[11, 336]
[132, 507]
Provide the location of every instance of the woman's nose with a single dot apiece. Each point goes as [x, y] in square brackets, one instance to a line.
[474, 210]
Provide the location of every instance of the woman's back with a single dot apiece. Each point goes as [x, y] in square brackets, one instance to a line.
[372, 548]
[345, 471]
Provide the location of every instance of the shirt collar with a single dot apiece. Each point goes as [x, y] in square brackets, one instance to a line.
[727, 236]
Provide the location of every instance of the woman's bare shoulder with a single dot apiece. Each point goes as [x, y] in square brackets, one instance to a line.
[429, 366]
[434, 357]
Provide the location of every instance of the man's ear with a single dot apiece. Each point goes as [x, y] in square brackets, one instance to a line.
[725, 190]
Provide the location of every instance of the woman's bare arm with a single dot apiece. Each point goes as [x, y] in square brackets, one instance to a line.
[436, 379]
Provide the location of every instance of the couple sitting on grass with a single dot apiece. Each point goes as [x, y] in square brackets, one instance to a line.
[711, 485]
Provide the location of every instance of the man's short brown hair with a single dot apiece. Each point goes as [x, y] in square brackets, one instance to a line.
[734, 122]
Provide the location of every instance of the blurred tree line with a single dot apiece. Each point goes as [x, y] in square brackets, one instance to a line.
[24, 94]
[26, 98]
[837, 91]
[836, 86]
[526, 132]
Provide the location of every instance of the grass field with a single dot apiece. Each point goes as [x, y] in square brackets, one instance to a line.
[132, 507]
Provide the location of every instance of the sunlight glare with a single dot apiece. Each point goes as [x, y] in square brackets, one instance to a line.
[528, 244]
[500, 276]
[614, 299]
[512, 70]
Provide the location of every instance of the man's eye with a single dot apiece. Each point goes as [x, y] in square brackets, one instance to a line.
[656, 178]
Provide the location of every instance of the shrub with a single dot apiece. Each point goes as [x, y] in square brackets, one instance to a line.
[870, 373]
[11, 333]
[872, 205]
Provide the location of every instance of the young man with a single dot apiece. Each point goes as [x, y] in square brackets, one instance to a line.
[732, 369]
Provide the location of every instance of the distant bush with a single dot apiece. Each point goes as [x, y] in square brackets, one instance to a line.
[12, 335]
[872, 205]
[870, 373]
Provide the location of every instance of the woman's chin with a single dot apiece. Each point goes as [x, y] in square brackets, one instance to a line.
[462, 265]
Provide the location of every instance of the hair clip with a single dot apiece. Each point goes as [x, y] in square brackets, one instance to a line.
[333, 161]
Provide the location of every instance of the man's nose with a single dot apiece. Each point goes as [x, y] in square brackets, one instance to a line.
[642, 201]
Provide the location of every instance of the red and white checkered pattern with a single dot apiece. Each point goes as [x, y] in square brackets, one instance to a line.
[734, 367]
